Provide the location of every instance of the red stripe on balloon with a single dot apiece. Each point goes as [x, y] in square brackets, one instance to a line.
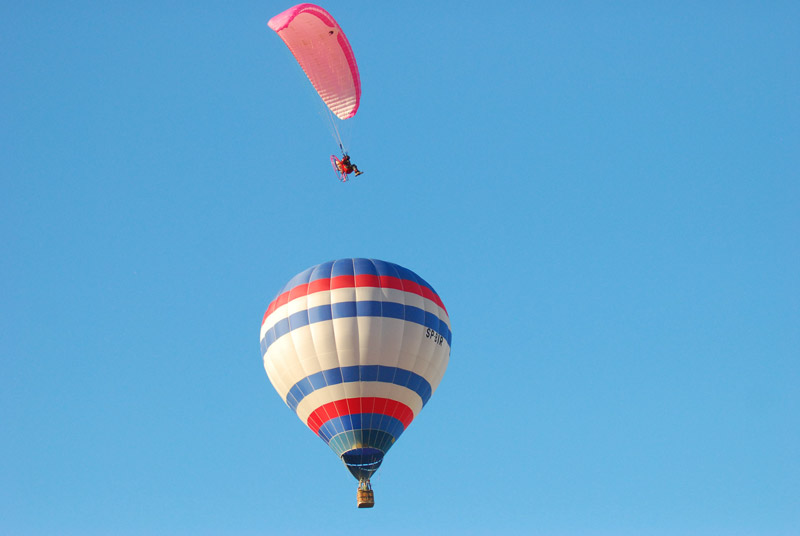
[343, 281]
[388, 281]
[349, 281]
[351, 406]
[319, 285]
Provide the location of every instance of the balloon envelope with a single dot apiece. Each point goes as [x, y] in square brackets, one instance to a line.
[323, 51]
[356, 347]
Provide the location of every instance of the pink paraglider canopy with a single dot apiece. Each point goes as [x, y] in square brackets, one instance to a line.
[322, 50]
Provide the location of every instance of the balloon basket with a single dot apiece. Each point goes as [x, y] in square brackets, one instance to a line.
[366, 498]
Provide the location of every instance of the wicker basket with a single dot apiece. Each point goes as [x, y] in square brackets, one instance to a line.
[366, 498]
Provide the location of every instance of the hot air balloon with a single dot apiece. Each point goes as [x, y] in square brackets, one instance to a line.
[356, 347]
[320, 47]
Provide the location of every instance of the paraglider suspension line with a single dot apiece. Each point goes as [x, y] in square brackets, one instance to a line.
[333, 123]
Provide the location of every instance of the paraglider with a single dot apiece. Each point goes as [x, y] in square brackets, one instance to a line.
[356, 347]
[322, 50]
[343, 167]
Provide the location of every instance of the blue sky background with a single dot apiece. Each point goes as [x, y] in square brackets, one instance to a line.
[605, 197]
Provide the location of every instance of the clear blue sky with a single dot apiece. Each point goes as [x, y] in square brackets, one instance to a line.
[607, 199]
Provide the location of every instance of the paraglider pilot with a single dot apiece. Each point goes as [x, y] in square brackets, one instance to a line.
[348, 167]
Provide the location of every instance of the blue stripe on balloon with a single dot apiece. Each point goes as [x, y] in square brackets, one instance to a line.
[361, 421]
[359, 373]
[383, 309]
